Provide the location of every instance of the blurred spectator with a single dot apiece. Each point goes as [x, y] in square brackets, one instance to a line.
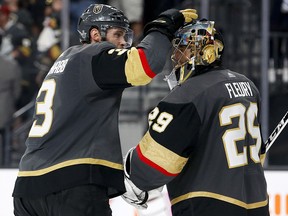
[284, 6]
[20, 13]
[10, 76]
[17, 45]
[48, 42]
[15, 41]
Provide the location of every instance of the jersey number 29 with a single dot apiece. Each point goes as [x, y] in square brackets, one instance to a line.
[233, 135]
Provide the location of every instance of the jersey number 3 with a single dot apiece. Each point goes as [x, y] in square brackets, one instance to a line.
[233, 135]
[44, 108]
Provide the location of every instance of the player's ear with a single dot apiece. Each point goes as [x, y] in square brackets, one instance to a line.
[95, 35]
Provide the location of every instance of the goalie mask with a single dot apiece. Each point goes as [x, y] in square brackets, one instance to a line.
[195, 44]
[103, 17]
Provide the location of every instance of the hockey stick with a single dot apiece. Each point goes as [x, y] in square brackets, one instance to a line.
[276, 132]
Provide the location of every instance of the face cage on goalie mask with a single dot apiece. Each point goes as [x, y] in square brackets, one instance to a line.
[183, 57]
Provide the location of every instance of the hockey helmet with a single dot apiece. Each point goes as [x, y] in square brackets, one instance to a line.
[103, 17]
[196, 43]
[205, 43]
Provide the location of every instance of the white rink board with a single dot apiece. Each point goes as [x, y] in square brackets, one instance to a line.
[277, 188]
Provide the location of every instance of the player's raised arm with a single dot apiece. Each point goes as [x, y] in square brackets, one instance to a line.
[127, 66]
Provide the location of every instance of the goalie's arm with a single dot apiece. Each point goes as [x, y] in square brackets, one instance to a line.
[164, 150]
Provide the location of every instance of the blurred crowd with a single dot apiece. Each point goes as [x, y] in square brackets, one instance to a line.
[21, 25]
[24, 56]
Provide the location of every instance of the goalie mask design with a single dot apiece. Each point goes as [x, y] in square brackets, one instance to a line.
[196, 43]
[103, 17]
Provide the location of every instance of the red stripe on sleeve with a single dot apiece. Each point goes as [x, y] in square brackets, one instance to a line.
[151, 164]
[145, 64]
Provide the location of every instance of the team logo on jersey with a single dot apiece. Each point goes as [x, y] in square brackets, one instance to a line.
[97, 8]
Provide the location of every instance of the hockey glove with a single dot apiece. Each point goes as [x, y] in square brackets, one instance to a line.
[134, 196]
[189, 15]
[170, 21]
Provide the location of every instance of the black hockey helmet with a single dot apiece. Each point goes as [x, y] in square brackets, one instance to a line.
[102, 17]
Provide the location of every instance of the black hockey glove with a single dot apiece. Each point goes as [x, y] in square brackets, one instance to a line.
[170, 21]
[134, 196]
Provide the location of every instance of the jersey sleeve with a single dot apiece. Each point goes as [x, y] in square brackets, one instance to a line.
[165, 148]
[122, 68]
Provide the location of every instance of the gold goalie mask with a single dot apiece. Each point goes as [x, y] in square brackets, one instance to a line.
[195, 44]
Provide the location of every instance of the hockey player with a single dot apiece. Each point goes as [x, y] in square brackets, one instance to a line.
[204, 139]
[73, 161]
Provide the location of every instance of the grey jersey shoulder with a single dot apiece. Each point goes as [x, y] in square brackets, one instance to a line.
[209, 84]
[88, 49]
